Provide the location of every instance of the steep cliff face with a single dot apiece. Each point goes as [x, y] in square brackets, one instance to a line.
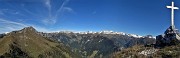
[27, 43]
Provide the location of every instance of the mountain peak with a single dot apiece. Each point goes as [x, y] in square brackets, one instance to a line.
[29, 29]
[26, 43]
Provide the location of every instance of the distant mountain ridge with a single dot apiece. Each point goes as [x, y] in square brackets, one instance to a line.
[103, 43]
[102, 32]
[67, 44]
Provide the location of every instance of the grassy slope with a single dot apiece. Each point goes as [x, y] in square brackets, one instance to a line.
[134, 52]
[34, 45]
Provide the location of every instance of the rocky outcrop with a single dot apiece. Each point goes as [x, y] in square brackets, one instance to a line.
[170, 37]
[2, 35]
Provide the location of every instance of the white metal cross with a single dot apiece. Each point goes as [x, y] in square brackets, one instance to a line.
[172, 13]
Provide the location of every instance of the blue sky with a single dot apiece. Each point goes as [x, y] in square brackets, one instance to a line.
[140, 17]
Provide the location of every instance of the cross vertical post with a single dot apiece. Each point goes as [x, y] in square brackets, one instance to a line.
[172, 14]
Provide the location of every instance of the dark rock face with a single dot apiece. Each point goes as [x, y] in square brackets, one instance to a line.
[2, 35]
[170, 37]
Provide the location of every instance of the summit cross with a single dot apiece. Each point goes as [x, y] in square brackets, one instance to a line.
[172, 14]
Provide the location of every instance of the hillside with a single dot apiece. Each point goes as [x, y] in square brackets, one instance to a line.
[97, 45]
[140, 51]
[26, 43]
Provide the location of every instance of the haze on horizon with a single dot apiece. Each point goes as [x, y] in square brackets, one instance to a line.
[141, 17]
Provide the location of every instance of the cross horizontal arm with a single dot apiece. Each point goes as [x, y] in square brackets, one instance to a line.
[172, 7]
[169, 6]
[175, 8]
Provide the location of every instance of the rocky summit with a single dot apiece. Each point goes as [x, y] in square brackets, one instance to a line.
[170, 37]
[166, 46]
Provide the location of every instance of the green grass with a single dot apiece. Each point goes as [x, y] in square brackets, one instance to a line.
[35, 45]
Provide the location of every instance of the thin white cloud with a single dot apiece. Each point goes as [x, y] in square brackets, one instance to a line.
[49, 21]
[61, 8]
[31, 13]
[68, 9]
[6, 12]
[42, 29]
[11, 22]
[24, 9]
[8, 26]
[48, 5]
[53, 19]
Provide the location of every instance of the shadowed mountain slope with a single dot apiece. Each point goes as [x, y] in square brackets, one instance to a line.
[97, 45]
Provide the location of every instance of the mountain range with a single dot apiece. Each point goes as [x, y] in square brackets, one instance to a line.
[29, 43]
